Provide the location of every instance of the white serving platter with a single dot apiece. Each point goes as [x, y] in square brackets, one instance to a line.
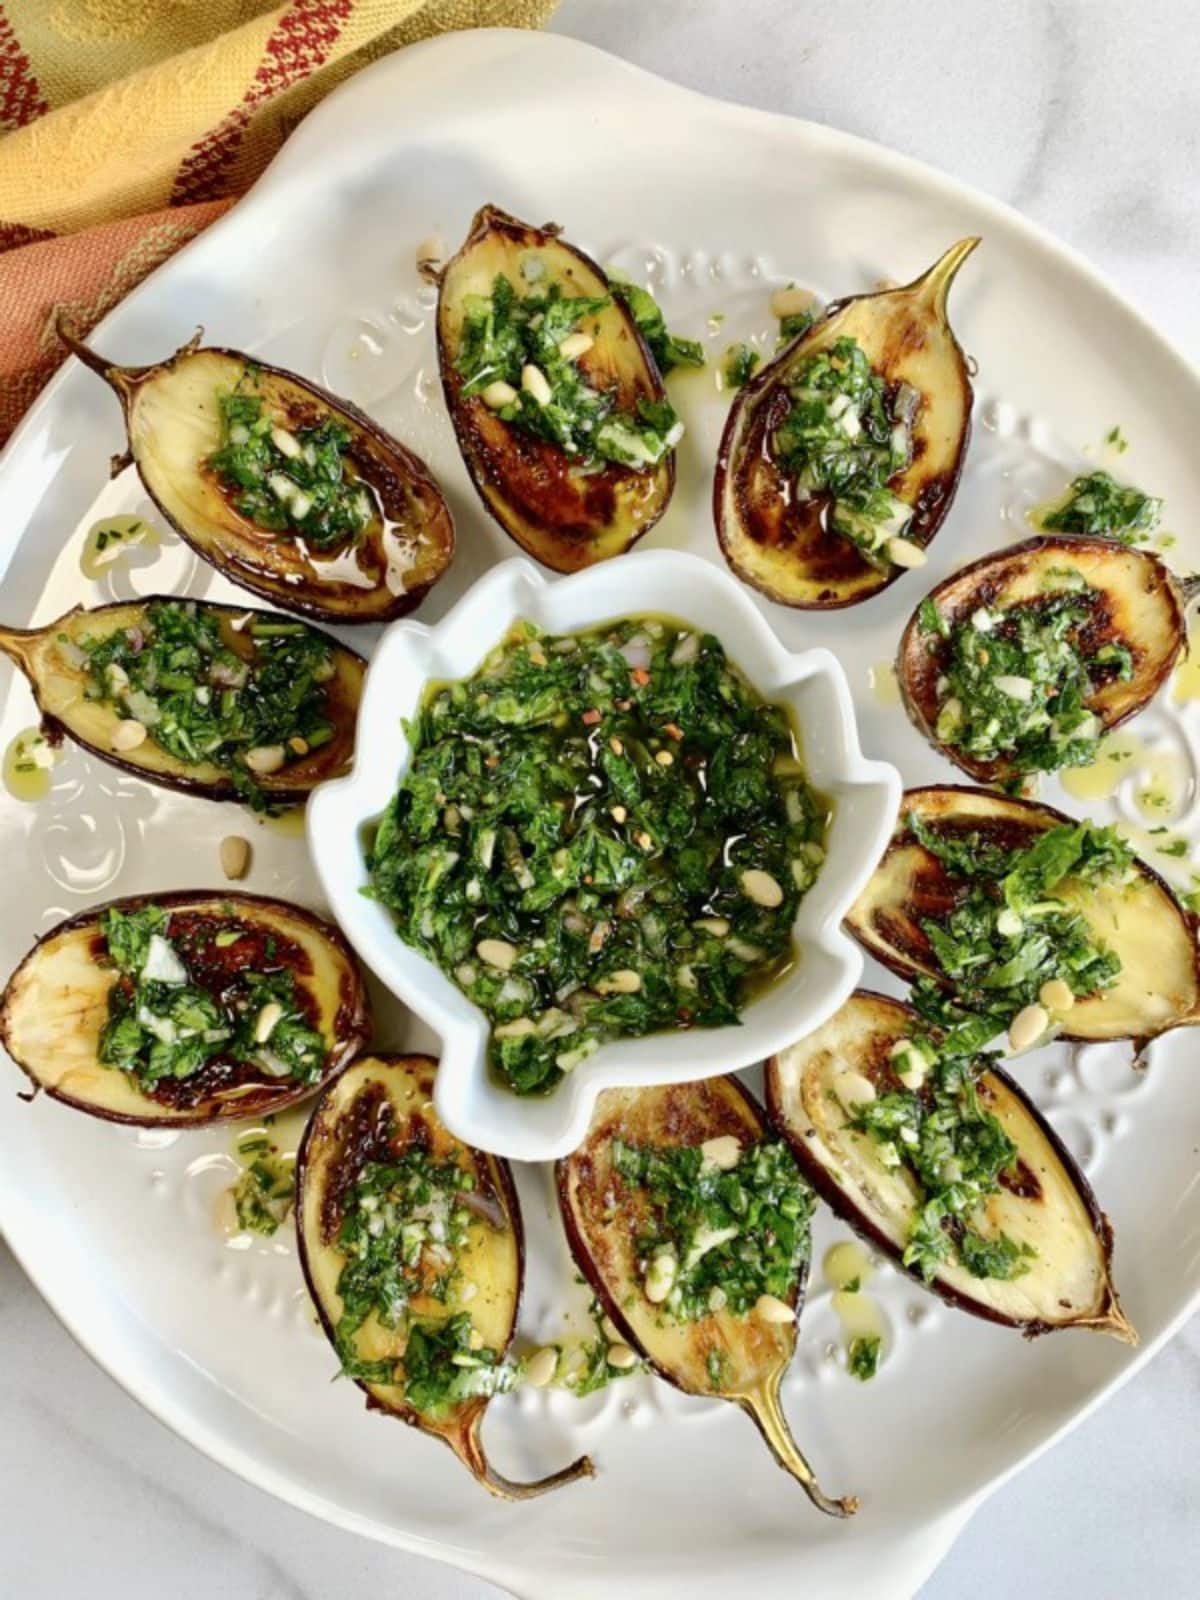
[712, 205]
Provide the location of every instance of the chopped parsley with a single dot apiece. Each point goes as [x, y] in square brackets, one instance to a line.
[596, 1371]
[1015, 683]
[163, 1023]
[739, 365]
[510, 331]
[845, 436]
[300, 482]
[264, 1194]
[668, 350]
[714, 1238]
[1009, 932]
[402, 1232]
[956, 1152]
[1098, 504]
[207, 698]
[602, 835]
[862, 1357]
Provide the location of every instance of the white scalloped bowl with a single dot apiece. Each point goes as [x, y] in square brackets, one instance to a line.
[865, 795]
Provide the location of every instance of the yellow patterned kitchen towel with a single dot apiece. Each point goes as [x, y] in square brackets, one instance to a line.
[127, 126]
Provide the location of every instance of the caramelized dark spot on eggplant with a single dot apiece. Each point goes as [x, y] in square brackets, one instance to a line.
[56, 1008]
[566, 515]
[173, 420]
[1141, 921]
[783, 543]
[741, 1357]
[1134, 609]
[380, 1111]
[815, 1090]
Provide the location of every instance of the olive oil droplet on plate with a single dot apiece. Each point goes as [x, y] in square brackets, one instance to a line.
[28, 762]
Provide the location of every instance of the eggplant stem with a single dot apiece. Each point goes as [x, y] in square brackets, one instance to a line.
[934, 285]
[1115, 1323]
[766, 1409]
[67, 333]
[15, 644]
[469, 1449]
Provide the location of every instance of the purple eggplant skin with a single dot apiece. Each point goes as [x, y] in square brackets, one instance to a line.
[344, 1130]
[564, 521]
[58, 692]
[1042, 1160]
[781, 546]
[602, 1244]
[61, 1061]
[180, 392]
[1155, 935]
[1144, 610]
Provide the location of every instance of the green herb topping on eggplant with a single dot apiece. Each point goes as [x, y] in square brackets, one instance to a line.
[1008, 914]
[556, 400]
[288, 491]
[1098, 504]
[186, 1008]
[841, 457]
[692, 1227]
[1021, 662]
[412, 1249]
[935, 1155]
[221, 702]
[601, 835]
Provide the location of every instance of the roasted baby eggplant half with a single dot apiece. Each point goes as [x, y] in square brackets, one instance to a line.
[215, 700]
[559, 408]
[691, 1224]
[287, 490]
[939, 1159]
[1017, 916]
[185, 1009]
[1022, 661]
[840, 459]
[412, 1248]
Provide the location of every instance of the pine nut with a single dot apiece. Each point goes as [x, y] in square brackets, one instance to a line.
[790, 302]
[724, 1151]
[264, 1025]
[717, 926]
[665, 758]
[1014, 686]
[516, 1029]
[761, 887]
[1027, 1027]
[475, 1341]
[265, 759]
[536, 384]
[1056, 995]
[297, 745]
[128, 734]
[610, 1331]
[235, 856]
[621, 1357]
[541, 1366]
[626, 981]
[853, 1089]
[286, 443]
[904, 553]
[618, 813]
[660, 1278]
[575, 345]
[497, 395]
[770, 1308]
[497, 953]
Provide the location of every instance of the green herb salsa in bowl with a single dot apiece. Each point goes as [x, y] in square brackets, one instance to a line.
[601, 835]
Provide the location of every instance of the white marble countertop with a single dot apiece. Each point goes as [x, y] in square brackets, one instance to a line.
[1083, 116]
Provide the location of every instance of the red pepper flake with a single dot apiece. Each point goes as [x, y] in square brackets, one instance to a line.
[590, 718]
[673, 729]
[640, 675]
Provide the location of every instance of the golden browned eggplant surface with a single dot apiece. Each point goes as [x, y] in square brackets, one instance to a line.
[412, 1248]
[1023, 660]
[287, 490]
[692, 1228]
[945, 1165]
[1005, 906]
[185, 1008]
[215, 700]
[557, 403]
[840, 459]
